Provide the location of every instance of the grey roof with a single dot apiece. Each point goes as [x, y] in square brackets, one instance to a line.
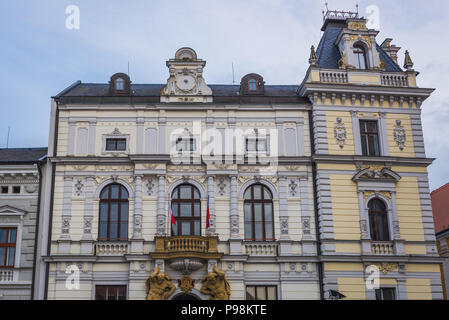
[18, 155]
[329, 55]
[149, 90]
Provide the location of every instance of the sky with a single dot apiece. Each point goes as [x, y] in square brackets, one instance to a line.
[40, 56]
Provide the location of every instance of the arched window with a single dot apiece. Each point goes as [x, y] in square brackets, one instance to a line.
[119, 84]
[113, 223]
[360, 57]
[252, 85]
[258, 210]
[378, 220]
[186, 207]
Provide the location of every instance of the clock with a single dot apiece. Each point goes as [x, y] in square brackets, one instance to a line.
[185, 82]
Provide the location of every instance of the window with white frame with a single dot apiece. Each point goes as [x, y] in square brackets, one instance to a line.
[116, 142]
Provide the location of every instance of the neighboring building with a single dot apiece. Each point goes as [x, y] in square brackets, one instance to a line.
[440, 207]
[344, 150]
[19, 200]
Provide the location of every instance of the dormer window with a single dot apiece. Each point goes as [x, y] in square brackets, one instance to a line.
[119, 84]
[252, 85]
[360, 57]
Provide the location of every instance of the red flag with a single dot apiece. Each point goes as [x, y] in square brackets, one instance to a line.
[208, 215]
[170, 213]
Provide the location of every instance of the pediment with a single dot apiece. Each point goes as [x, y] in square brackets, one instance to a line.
[376, 174]
[11, 211]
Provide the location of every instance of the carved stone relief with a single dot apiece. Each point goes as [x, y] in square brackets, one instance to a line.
[399, 135]
[340, 133]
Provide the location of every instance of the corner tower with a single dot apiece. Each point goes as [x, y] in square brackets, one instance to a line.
[370, 165]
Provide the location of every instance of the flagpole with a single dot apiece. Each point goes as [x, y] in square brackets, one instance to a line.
[168, 212]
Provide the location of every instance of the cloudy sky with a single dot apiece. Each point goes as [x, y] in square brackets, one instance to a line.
[39, 56]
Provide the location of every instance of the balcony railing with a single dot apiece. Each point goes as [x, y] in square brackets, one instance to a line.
[186, 246]
[334, 76]
[111, 248]
[394, 80]
[382, 248]
[262, 249]
[6, 275]
[344, 76]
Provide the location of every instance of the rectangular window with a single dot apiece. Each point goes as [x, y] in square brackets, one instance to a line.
[261, 292]
[7, 247]
[369, 136]
[5, 190]
[385, 294]
[16, 189]
[186, 145]
[115, 144]
[110, 292]
[256, 145]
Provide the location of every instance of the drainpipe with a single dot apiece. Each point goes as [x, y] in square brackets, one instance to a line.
[36, 236]
[315, 204]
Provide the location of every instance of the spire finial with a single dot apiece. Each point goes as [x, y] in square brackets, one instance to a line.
[313, 60]
[408, 63]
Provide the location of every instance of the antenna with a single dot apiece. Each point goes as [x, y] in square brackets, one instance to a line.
[128, 69]
[233, 80]
[7, 139]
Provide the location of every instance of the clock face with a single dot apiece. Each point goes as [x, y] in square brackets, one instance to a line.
[185, 82]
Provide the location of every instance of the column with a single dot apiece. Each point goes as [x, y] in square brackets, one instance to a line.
[280, 128]
[285, 244]
[398, 242]
[234, 241]
[210, 191]
[161, 227]
[383, 130]
[92, 132]
[308, 239]
[364, 231]
[356, 133]
[162, 133]
[402, 289]
[301, 138]
[71, 138]
[87, 239]
[283, 208]
[137, 219]
[64, 240]
[139, 139]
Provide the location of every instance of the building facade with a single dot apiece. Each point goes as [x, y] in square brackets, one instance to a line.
[440, 207]
[272, 192]
[19, 202]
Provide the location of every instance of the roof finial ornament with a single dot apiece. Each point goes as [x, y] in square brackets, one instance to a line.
[408, 63]
[313, 60]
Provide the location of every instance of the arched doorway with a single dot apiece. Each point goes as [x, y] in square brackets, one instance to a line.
[186, 297]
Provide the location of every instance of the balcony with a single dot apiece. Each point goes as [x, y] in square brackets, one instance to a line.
[109, 249]
[6, 275]
[261, 249]
[186, 247]
[384, 248]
